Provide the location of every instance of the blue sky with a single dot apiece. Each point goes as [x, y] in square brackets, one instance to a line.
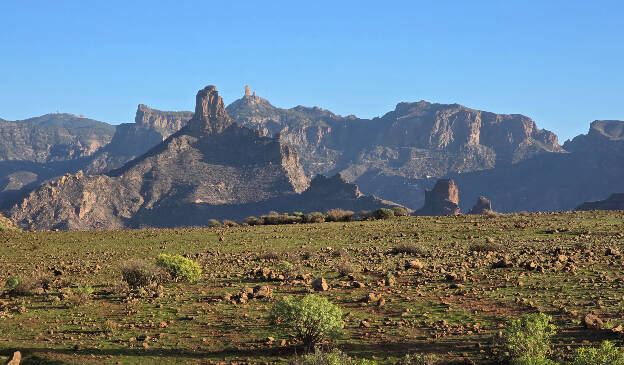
[559, 62]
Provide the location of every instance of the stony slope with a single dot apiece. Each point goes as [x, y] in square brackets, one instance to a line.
[213, 167]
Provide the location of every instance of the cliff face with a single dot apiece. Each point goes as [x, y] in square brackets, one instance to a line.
[210, 162]
[413, 141]
[150, 128]
[443, 199]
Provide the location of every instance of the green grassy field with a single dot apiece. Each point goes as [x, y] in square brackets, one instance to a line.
[565, 264]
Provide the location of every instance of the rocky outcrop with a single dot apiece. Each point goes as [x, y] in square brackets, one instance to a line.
[482, 206]
[6, 223]
[614, 202]
[164, 122]
[443, 199]
[212, 168]
[131, 140]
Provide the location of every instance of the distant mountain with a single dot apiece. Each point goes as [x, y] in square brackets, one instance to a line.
[396, 157]
[37, 149]
[211, 168]
[52, 137]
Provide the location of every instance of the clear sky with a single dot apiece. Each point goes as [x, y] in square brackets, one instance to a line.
[559, 62]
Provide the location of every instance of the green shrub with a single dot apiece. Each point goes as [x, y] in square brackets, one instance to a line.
[28, 285]
[606, 354]
[528, 336]
[180, 267]
[286, 266]
[526, 360]
[253, 221]
[12, 283]
[142, 273]
[383, 213]
[411, 248]
[230, 223]
[418, 359]
[213, 223]
[400, 212]
[314, 217]
[310, 319]
[339, 215]
[334, 357]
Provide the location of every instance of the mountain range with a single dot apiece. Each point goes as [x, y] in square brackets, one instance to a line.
[395, 157]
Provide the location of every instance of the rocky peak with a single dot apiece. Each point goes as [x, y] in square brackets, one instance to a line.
[443, 199]
[482, 206]
[612, 129]
[210, 116]
[166, 122]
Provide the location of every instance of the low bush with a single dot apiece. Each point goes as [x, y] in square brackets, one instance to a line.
[486, 247]
[334, 357]
[345, 268]
[339, 215]
[314, 217]
[253, 221]
[27, 285]
[213, 223]
[310, 319]
[79, 296]
[527, 360]
[528, 337]
[606, 354]
[230, 223]
[410, 248]
[400, 212]
[418, 359]
[270, 255]
[383, 213]
[142, 273]
[179, 267]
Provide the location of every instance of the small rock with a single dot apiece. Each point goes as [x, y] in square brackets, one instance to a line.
[592, 321]
[320, 284]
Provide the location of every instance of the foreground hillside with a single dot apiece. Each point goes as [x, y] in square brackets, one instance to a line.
[477, 272]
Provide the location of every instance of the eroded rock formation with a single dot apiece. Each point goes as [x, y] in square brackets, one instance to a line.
[443, 199]
[482, 206]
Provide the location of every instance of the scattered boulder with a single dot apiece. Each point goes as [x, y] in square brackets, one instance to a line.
[16, 359]
[592, 321]
[414, 264]
[443, 199]
[320, 284]
[482, 206]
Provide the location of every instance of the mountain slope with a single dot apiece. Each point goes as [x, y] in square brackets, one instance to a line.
[212, 167]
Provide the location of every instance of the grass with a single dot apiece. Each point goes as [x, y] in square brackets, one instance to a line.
[422, 313]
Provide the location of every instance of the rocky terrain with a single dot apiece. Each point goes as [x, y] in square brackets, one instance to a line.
[482, 206]
[211, 168]
[442, 287]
